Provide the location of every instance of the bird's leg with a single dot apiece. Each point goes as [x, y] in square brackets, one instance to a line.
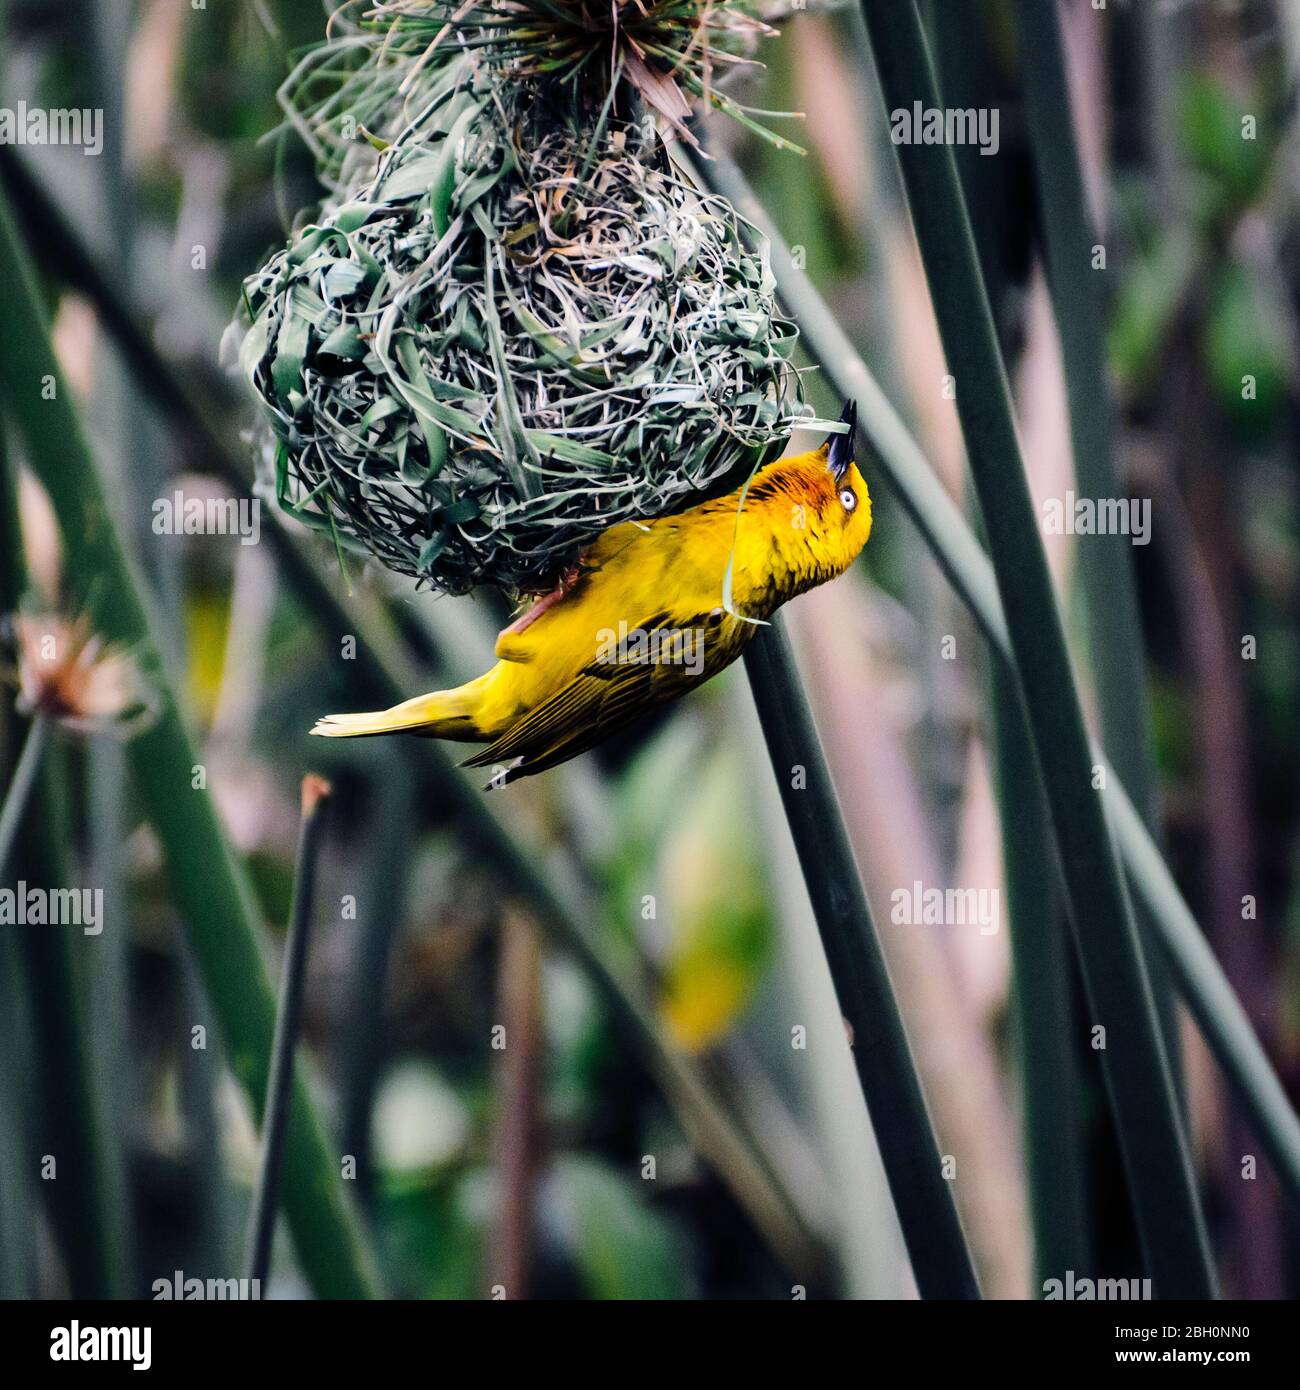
[530, 615]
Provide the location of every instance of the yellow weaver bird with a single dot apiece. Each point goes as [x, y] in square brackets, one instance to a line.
[644, 619]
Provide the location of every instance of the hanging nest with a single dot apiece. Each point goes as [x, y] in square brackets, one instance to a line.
[524, 325]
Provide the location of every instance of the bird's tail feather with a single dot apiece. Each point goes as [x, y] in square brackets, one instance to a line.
[440, 714]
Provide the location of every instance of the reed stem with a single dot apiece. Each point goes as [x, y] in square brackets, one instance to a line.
[1044, 1009]
[19, 791]
[1137, 1070]
[288, 1024]
[1105, 562]
[922, 1196]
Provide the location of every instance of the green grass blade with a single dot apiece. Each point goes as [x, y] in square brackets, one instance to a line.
[1105, 562]
[1217, 1010]
[288, 1024]
[922, 1196]
[20, 786]
[71, 1112]
[1137, 1070]
[70, 1120]
[1041, 999]
[208, 885]
[17, 1196]
[17, 1192]
[1046, 1032]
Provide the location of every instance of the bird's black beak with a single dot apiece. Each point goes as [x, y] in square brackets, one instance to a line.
[841, 445]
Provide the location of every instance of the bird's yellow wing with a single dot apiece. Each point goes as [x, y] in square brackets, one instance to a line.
[606, 697]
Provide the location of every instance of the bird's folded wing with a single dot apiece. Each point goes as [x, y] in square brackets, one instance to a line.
[607, 697]
[583, 714]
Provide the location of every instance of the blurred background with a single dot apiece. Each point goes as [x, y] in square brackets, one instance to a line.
[650, 890]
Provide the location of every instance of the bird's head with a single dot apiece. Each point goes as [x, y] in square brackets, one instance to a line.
[821, 509]
[850, 516]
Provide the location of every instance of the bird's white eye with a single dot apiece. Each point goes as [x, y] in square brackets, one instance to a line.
[848, 499]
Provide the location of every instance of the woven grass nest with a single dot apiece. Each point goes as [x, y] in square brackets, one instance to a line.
[521, 324]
